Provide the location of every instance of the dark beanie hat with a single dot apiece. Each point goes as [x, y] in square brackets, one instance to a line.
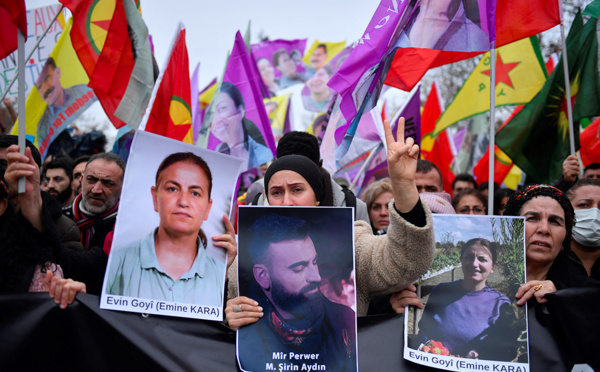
[518, 200]
[304, 167]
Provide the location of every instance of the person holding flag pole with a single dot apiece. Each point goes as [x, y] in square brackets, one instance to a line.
[13, 24]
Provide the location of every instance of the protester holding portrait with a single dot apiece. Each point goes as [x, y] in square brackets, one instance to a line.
[385, 263]
[549, 225]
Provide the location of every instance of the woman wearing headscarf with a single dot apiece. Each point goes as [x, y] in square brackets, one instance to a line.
[549, 220]
[563, 322]
[384, 264]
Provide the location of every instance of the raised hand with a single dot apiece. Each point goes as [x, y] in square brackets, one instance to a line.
[30, 202]
[402, 159]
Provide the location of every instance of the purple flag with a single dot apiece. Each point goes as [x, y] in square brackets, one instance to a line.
[376, 171]
[411, 112]
[458, 138]
[196, 113]
[354, 78]
[360, 79]
[280, 63]
[265, 92]
[370, 137]
[240, 125]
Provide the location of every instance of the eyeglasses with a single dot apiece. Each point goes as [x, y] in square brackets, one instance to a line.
[466, 209]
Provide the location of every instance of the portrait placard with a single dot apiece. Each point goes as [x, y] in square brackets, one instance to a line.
[471, 321]
[298, 264]
[163, 260]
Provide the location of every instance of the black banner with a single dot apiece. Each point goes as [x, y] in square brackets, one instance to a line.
[35, 334]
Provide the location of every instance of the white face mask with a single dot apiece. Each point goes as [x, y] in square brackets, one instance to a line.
[587, 229]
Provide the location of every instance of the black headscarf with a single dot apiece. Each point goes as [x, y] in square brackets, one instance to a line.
[518, 199]
[304, 167]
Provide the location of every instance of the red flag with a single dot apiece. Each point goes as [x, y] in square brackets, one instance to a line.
[502, 163]
[514, 20]
[589, 139]
[13, 17]
[171, 114]
[103, 46]
[436, 149]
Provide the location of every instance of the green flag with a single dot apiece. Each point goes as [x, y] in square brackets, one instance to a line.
[537, 138]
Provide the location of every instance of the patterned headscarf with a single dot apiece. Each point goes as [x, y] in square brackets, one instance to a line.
[518, 199]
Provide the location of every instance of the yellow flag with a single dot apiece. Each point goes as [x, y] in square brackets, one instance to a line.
[520, 74]
[326, 51]
[513, 179]
[207, 96]
[277, 109]
[59, 95]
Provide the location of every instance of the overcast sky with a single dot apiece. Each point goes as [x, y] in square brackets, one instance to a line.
[211, 25]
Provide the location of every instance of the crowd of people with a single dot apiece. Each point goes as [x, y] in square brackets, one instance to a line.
[56, 236]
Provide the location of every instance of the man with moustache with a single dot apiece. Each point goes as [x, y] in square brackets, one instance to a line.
[298, 319]
[59, 100]
[319, 57]
[428, 177]
[95, 209]
[59, 174]
[78, 168]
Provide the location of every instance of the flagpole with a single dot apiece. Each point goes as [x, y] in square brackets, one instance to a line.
[492, 145]
[374, 152]
[32, 50]
[21, 95]
[321, 134]
[567, 81]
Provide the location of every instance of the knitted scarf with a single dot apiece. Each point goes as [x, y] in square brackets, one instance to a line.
[85, 222]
